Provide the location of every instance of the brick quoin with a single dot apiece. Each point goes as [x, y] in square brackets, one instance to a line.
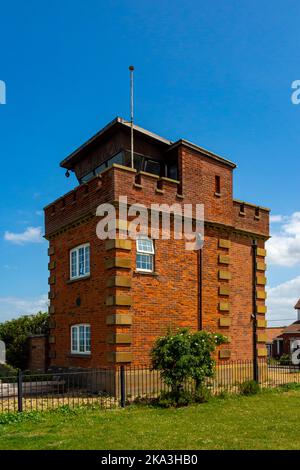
[128, 310]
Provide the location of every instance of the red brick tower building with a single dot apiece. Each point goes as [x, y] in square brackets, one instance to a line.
[110, 299]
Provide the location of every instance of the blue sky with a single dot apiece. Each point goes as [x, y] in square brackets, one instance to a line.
[216, 73]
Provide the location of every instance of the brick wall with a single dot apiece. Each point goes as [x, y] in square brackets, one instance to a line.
[128, 310]
[38, 353]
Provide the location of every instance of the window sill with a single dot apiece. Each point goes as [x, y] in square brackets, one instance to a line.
[83, 355]
[217, 194]
[82, 278]
[146, 273]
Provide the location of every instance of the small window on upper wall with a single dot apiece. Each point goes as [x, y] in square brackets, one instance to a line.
[217, 184]
[145, 255]
[81, 339]
[242, 209]
[80, 261]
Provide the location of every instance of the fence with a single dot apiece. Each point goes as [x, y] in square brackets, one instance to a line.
[111, 388]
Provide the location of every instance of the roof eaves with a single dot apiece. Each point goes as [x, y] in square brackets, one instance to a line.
[202, 150]
[117, 120]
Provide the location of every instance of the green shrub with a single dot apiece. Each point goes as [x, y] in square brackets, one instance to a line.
[202, 394]
[284, 359]
[249, 387]
[223, 395]
[175, 399]
[185, 356]
[7, 371]
[15, 335]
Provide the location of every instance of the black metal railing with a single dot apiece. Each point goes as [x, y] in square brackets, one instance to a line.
[119, 386]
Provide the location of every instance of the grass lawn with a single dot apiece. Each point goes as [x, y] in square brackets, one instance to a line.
[269, 420]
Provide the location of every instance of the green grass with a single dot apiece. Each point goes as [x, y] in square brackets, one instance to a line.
[268, 420]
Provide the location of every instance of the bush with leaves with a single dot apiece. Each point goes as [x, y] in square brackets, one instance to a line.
[185, 356]
[249, 387]
[15, 334]
[284, 359]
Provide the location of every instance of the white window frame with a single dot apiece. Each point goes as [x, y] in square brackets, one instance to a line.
[76, 249]
[77, 328]
[141, 251]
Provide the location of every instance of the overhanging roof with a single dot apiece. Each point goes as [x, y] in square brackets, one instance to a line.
[69, 161]
[117, 122]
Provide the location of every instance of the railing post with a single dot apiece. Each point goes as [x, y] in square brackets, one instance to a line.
[20, 391]
[122, 385]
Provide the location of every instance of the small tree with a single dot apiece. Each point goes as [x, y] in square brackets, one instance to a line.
[183, 356]
[15, 334]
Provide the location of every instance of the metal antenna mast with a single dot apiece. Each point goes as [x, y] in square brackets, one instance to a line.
[131, 68]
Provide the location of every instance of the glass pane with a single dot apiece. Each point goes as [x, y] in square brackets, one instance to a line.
[144, 262]
[172, 172]
[137, 162]
[118, 158]
[87, 177]
[74, 345]
[81, 261]
[87, 260]
[152, 167]
[100, 168]
[74, 264]
[88, 338]
[81, 338]
[145, 245]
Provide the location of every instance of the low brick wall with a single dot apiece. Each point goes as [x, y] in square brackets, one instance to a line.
[38, 353]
